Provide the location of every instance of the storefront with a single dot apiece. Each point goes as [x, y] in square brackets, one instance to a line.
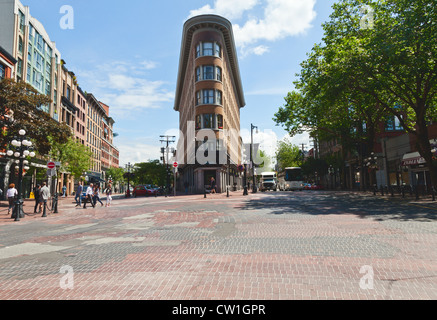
[418, 170]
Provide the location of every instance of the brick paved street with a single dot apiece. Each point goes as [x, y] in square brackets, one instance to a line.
[280, 246]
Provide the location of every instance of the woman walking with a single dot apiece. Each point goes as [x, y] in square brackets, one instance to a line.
[108, 192]
[11, 194]
[97, 195]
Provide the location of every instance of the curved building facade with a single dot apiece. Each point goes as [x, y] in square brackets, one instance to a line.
[209, 96]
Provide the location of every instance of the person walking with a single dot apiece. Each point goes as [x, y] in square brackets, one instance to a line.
[108, 192]
[213, 185]
[96, 196]
[78, 196]
[44, 194]
[37, 194]
[89, 196]
[11, 194]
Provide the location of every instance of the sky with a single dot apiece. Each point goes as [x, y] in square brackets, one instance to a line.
[126, 53]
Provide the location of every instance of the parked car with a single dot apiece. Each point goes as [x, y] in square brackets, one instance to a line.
[316, 187]
[307, 186]
[144, 190]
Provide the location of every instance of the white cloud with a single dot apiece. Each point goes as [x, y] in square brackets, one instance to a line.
[125, 88]
[230, 9]
[282, 18]
[136, 151]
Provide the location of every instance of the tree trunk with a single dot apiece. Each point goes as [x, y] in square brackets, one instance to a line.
[424, 148]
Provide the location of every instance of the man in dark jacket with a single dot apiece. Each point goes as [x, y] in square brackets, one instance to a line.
[37, 194]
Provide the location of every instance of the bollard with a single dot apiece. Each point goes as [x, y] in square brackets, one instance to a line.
[375, 189]
[44, 211]
[382, 190]
[55, 203]
[403, 191]
[227, 191]
[392, 191]
[204, 191]
[417, 192]
[433, 193]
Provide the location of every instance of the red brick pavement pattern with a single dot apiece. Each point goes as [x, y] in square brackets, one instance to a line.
[194, 268]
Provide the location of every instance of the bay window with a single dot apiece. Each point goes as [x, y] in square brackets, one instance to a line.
[209, 96]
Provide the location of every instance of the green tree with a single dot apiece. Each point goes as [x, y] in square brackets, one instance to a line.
[152, 172]
[288, 155]
[75, 158]
[385, 69]
[21, 103]
[116, 174]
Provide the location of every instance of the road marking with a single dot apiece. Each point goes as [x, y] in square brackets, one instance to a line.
[421, 206]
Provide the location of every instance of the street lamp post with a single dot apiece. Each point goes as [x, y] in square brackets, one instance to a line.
[252, 127]
[128, 167]
[245, 193]
[23, 149]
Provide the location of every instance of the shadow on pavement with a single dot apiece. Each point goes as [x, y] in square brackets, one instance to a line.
[335, 203]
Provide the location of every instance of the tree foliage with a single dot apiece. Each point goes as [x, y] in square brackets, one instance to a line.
[75, 158]
[360, 76]
[21, 103]
[288, 155]
[152, 172]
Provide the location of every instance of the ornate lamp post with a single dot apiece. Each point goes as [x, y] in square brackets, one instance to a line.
[23, 149]
[245, 193]
[128, 167]
[252, 127]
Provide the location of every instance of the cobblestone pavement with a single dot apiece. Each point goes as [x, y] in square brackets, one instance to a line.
[272, 246]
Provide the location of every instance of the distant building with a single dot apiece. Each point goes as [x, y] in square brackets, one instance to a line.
[209, 96]
[38, 60]
[7, 64]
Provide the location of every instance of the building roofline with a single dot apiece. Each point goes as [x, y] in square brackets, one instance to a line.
[225, 27]
[8, 56]
[91, 97]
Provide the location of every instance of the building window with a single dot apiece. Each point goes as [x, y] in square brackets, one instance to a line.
[208, 49]
[208, 73]
[219, 121]
[29, 72]
[393, 124]
[20, 68]
[209, 96]
[2, 71]
[198, 122]
[208, 121]
[20, 45]
[218, 73]
[21, 21]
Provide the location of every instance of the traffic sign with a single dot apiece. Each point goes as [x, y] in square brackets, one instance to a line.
[51, 165]
[175, 165]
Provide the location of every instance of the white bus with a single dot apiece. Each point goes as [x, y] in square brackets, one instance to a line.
[269, 181]
[291, 180]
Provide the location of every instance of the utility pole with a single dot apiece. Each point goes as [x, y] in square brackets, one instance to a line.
[167, 140]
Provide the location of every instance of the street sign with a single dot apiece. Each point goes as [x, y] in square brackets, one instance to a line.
[51, 172]
[51, 165]
[175, 165]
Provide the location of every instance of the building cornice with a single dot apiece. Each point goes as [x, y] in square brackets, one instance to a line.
[222, 25]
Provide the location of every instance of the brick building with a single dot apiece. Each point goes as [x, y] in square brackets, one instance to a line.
[209, 96]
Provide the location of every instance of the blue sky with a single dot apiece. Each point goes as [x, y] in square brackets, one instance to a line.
[127, 53]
